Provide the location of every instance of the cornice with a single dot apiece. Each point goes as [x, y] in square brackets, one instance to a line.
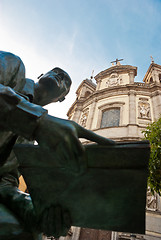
[76, 104]
[136, 89]
[116, 69]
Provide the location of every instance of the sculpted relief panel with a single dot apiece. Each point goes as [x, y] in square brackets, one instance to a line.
[84, 117]
[113, 80]
[144, 109]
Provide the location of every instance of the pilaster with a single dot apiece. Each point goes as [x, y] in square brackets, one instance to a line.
[156, 101]
[98, 84]
[131, 77]
[155, 76]
[91, 114]
[77, 114]
[132, 107]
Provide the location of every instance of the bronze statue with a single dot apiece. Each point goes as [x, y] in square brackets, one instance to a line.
[21, 114]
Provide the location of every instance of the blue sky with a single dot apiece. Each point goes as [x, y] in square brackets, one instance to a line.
[80, 36]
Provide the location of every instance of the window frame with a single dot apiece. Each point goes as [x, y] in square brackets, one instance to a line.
[109, 106]
[110, 122]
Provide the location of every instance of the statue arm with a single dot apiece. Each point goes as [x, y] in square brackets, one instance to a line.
[32, 122]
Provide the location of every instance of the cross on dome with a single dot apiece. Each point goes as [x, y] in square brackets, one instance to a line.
[117, 61]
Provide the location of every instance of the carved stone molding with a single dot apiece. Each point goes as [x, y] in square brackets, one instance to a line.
[132, 92]
[113, 80]
[84, 117]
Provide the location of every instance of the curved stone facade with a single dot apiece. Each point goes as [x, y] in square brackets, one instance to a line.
[138, 103]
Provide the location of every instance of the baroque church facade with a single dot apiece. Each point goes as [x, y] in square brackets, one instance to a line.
[116, 106]
[120, 108]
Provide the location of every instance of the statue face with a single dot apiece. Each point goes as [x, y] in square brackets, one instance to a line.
[54, 86]
[64, 82]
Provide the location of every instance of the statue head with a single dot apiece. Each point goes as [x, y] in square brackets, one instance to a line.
[52, 87]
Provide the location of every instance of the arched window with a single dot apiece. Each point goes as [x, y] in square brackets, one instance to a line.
[110, 118]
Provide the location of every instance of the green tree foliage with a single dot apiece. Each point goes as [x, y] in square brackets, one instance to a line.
[153, 134]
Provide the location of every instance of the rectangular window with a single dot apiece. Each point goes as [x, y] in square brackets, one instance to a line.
[110, 118]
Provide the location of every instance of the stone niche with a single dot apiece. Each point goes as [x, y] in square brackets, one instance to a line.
[144, 109]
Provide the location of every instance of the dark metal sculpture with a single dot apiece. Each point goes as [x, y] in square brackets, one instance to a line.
[108, 191]
[68, 166]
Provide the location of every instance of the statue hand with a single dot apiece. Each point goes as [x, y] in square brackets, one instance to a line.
[59, 137]
[55, 222]
[62, 137]
[89, 135]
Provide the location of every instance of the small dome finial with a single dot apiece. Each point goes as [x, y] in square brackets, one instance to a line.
[92, 75]
[152, 59]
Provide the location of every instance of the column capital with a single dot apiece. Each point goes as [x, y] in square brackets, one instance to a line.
[132, 92]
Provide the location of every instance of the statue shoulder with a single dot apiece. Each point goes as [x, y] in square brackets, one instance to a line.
[4, 56]
[12, 71]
